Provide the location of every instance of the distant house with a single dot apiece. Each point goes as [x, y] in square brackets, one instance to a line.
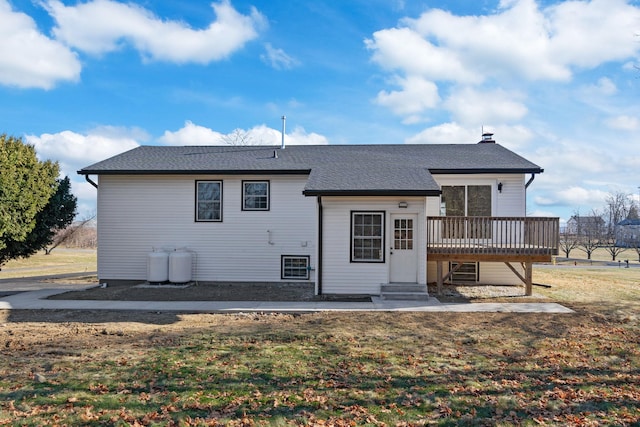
[584, 225]
[346, 219]
[628, 233]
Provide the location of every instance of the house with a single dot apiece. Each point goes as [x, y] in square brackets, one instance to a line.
[628, 233]
[585, 226]
[346, 219]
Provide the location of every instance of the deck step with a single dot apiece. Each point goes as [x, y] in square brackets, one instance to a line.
[404, 292]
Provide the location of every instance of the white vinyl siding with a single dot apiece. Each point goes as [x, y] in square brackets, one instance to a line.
[510, 202]
[339, 274]
[138, 213]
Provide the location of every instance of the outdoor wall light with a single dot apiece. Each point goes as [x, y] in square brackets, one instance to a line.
[403, 205]
[499, 187]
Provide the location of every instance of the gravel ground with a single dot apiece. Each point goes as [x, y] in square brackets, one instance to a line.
[463, 293]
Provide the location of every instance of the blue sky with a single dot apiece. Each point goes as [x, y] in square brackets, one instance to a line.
[556, 81]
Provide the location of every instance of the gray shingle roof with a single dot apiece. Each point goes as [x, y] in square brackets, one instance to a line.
[333, 169]
[629, 221]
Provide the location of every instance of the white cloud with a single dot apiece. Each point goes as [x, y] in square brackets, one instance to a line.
[102, 26]
[522, 41]
[277, 58]
[472, 106]
[299, 136]
[575, 196]
[580, 173]
[603, 87]
[535, 42]
[515, 40]
[29, 59]
[192, 134]
[446, 133]
[623, 122]
[589, 33]
[417, 94]
[512, 137]
[407, 51]
[74, 150]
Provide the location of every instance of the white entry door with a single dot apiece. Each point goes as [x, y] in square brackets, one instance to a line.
[404, 254]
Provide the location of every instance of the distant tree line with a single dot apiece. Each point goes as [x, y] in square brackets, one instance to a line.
[79, 234]
[615, 227]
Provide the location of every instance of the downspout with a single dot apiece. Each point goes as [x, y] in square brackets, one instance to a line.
[526, 186]
[533, 176]
[319, 263]
[90, 181]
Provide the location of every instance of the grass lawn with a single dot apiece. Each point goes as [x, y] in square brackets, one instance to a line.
[601, 254]
[60, 261]
[338, 369]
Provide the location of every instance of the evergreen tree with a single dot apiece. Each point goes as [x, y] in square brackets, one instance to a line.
[55, 216]
[26, 187]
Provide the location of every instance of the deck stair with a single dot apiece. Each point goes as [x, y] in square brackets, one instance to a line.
[404, 292]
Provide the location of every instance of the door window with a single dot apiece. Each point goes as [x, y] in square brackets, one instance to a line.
[403, 234]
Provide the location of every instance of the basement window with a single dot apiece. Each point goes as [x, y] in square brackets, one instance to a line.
[294, 267]
[467, 273]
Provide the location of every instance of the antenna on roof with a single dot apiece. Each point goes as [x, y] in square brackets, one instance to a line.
[284, 121]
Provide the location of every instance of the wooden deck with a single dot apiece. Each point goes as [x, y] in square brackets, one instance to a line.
[523, 240]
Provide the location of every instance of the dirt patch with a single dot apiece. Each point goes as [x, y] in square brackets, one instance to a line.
[206, 292]
[236, 291]
[484, 293]
[280, 292]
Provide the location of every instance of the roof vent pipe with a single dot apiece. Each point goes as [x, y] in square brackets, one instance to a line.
[284, 121]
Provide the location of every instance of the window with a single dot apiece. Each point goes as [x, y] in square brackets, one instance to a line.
[255, 195]
[295, 267]
[478, 200]
[367, 236]
[467, 200]
[453, 200]
[467, 272]
[209, 201]
[403, 234]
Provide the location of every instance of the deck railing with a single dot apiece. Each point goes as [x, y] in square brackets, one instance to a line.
[493, 235]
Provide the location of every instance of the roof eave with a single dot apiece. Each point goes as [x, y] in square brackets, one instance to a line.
[195, 172]
[406, 193]
[436, 171]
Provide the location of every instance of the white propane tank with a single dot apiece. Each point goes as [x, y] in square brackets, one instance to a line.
[180, 266]
[157, 267]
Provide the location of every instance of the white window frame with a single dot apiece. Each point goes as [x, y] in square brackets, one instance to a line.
[213, 202]
[266, 196]
[363, 235]
[284, 268]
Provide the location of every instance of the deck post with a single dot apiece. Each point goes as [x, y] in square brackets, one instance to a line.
[439, 276]
[528, 271]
